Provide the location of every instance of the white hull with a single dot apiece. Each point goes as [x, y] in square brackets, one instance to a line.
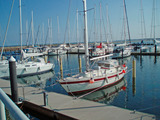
[76, 50]
[98, 52]
[28, 68]
[56, 52]
[126, 53]
[81, 83]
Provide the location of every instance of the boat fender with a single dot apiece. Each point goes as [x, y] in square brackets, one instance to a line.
[91, 80]
[124, 65]
[123, 71]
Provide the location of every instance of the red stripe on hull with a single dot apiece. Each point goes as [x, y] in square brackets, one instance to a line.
[86, 81]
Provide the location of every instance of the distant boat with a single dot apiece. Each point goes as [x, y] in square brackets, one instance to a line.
[98, 51]
[61, 49]
[121, 52]
[104, 74]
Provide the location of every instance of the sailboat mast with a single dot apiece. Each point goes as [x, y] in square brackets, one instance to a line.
[124, 21]
[100, 24]
[77, 27]
[95, 23]
[20, 19]
[58, 26]
[86, 36]
[32, 31]
[127, 20]
[27, 32]
[107, 23]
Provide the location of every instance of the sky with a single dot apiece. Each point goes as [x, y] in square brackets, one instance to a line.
[66, 12]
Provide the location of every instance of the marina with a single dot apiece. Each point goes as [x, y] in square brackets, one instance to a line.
[140, 95]
[92, 77]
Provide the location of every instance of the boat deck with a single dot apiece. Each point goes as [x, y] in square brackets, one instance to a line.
[76, 108]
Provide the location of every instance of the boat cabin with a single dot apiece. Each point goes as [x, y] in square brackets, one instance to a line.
[108, 63]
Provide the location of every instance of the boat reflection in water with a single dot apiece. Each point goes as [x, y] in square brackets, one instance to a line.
[108, 94]
[36, 80]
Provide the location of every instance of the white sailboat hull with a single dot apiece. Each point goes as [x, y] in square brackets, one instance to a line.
[79, 84]
[25, 69]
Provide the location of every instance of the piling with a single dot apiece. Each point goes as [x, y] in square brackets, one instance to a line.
[45, 96]
[122, 52]
[134, 77]
[155, 49]
[80, 65]
[32, 58]
[46, 58]
[13, 79]
[61, 68]
[57, 51]
[134, 69]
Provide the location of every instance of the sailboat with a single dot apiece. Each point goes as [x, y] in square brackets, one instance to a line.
[106, 73]
[25, 67]
[155, 41]
[123, 50]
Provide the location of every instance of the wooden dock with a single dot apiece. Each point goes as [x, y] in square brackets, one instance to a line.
[71, 108]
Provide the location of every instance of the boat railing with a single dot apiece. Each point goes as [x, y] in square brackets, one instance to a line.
[14, 111]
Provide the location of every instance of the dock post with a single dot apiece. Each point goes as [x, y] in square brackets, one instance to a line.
[46, 58]
[13, 79]
[155, 49]
[134, 77]
[57, 52]
[80, 65]
[122, 53]
[2, 111]
[45, 95]
[61, 68]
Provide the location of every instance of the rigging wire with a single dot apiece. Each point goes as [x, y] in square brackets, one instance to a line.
[7, 28]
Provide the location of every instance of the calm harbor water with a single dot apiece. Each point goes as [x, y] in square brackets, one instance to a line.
[140, 95]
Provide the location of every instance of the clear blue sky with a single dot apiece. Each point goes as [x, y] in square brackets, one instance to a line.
[44, 9]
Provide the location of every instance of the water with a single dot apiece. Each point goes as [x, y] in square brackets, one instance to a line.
[142, 96]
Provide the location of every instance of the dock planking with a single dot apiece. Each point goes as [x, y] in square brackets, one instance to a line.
[75, 108]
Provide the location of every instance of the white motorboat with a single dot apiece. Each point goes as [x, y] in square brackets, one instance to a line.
[104, 74]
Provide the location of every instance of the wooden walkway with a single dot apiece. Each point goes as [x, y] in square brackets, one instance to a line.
[76, 108]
